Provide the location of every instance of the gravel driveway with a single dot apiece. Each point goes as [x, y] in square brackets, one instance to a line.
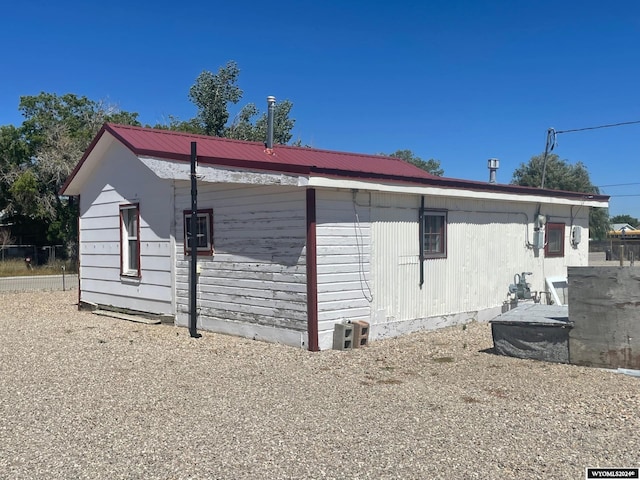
[92, 397]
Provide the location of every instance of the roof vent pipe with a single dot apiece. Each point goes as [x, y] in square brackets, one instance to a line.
[271, 101]
[493, 165]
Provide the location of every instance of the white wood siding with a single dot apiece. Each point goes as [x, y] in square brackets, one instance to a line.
[120, 178]
[258, 272]
[487, 244]
[343, 236]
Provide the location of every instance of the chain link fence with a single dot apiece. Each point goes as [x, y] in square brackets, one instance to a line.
[32, 268]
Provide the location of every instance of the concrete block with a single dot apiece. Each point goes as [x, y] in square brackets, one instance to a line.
[360, 333]
[343, 336]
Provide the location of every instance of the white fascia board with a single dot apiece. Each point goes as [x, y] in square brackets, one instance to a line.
[450, 192]
[175, 170]
[90, 163]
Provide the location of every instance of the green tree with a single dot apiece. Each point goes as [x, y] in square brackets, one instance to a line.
[562, 175]
[14, 151]
[243, 128]
[80, 117]
[432, 166]
[634, 222]
[46, 147]
[177, 125]
[212, 94]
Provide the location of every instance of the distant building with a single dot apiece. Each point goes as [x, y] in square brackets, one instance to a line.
[620, 227]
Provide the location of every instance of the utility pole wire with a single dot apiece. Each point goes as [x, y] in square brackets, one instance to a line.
[551, 141]
[618, 184]
[600, 126]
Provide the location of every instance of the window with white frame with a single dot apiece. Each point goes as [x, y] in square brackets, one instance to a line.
[130, 240]
[204, 232]
[434, 234]
[555, 240]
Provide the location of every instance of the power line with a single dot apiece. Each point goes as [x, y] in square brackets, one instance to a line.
[618, 185]
[599, 126]
[628, 195]
[551, 141]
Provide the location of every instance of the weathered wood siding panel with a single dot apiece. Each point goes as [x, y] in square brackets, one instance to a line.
[488, 242]
[343, 256]
[258, 272]
[120, 178]
[604, 307]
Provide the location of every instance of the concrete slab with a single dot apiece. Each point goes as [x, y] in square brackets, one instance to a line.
[535, 314]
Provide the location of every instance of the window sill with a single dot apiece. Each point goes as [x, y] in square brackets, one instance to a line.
[130, 278]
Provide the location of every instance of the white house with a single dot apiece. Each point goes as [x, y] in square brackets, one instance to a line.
[293, 240]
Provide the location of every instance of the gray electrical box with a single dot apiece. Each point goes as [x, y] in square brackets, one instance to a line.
[538, 239]
[576, 235]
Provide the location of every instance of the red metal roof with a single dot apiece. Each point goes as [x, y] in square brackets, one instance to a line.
[297, 160]
[236, 153]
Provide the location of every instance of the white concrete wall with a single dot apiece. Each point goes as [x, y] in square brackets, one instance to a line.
[118, 179]
[487, 245]
[255, 283]
[343, 236]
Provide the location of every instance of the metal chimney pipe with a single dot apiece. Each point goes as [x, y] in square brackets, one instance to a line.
[271, 101]
[493, 164]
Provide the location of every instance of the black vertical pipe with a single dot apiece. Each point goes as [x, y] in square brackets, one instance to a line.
[193, 242]
[421, 235]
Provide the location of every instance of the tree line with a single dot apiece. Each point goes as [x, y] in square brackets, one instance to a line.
[37, 156]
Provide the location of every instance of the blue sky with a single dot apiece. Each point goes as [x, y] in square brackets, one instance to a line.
[459, 81]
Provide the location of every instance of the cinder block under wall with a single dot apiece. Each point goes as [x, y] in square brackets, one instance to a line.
[360, 333]
[343, 336]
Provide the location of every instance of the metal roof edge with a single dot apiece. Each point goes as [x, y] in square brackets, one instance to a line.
[449, 183]
[531, 195]
[113, 128]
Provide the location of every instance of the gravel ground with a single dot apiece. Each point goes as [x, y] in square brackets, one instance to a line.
[84, 396]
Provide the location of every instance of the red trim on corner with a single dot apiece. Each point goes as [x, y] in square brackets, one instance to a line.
[312, 273]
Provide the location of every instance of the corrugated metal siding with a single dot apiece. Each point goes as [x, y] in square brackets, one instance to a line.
[486, 248]
[104, 192]
[343, 242]
[258, 272]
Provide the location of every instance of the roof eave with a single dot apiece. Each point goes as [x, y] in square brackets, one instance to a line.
[451, 188]
[67, 188]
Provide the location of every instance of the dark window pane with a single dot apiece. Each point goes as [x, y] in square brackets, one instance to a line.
[133, 255]
[555, 241]
[434, 233]
[202, 231]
